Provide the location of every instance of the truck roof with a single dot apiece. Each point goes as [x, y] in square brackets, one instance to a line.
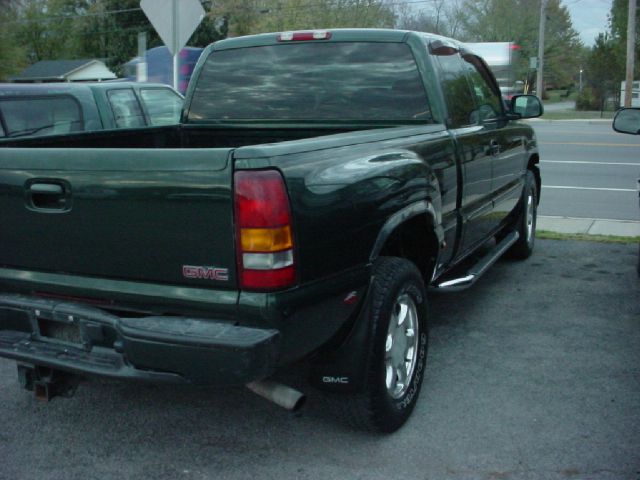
[12, 89]
[336, 35]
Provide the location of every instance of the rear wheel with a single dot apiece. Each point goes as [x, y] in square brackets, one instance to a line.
[526, 223]
[397, 351]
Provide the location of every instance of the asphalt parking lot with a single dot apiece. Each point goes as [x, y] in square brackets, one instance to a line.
[534, 373]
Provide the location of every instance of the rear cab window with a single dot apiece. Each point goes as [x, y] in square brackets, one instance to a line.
[41, 115]
[340, 81]
[126, 109]
[163, 105]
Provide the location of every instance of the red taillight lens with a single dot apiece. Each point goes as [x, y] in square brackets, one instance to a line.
[264, 236]
[261, 199]
[268, 279]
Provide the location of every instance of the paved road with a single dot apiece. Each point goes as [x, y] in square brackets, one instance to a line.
[532, 374]
[588, 170]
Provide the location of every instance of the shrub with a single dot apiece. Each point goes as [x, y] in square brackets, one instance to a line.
[586, 100]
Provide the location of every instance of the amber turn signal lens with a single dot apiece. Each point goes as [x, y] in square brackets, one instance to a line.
[266, 239]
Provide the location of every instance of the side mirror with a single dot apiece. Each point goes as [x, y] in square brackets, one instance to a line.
[627, 120]
[527, 106]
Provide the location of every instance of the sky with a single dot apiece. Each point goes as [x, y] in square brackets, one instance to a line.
[589, 17]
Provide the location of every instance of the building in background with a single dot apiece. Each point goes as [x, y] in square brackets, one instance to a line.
[87, 70]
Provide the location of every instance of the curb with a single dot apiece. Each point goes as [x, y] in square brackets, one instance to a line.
[589, 226]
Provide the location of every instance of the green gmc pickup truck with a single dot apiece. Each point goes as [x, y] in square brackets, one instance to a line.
[318, 185]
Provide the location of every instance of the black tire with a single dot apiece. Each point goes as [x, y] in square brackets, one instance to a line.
[526, 223]
[386, 403]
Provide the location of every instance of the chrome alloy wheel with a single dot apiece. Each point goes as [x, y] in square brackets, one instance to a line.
[530, 217]
[401, 349]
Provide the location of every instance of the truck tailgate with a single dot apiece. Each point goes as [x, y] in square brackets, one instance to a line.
[137, 214]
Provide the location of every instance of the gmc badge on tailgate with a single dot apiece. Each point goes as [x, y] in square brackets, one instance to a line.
[205, 273]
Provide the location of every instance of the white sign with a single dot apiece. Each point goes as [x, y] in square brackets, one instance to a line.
[174, 20]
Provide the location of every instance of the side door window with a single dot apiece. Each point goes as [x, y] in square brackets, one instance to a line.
[163, 105]
[126, 109]
[455, 85]
[487, 98]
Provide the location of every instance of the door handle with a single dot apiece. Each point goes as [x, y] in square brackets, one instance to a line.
[46, 189]
[51, 196]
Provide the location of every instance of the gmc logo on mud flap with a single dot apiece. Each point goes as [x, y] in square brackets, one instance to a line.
[205, 273]
[344, 380]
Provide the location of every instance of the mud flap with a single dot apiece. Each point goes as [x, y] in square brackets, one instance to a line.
[344, 368]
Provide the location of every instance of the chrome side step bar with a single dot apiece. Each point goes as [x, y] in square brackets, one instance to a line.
[461, 283]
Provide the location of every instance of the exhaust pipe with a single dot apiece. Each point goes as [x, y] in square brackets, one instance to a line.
[280, 394]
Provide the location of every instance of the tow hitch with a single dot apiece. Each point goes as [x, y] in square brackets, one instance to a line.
[47, 383]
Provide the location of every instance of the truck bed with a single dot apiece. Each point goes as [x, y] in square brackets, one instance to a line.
[138, 205]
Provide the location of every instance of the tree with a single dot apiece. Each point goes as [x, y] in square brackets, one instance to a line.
[442, 17]
[618, 20]
[563, 47]
[12, 54]
[603, 65]
[36, 30]
[210, 30]
[109, 30]
[496, 21]
[250, 16]
[618, 31]
[43, 29]
[241, 17]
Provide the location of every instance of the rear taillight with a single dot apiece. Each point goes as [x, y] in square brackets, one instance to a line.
[264, 235]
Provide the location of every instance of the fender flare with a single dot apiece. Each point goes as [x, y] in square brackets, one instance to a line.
[410, 211]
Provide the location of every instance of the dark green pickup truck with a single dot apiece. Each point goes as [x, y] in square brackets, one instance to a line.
[319, 184]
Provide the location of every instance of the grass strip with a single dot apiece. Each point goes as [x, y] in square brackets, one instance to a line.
[584, 237]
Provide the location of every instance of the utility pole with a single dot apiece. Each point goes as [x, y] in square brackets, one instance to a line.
[543, 21]
[631, 42]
